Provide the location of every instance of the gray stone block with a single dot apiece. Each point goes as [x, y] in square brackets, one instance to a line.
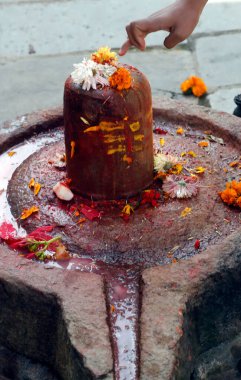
[219, 59]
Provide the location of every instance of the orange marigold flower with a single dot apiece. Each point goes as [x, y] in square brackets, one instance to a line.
[186, 85]
[236, 186]
[196, 84]
[121, 79]
[229, 196]
[238, 202]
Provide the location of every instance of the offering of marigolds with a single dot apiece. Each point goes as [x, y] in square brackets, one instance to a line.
[108, 128]
[194, 85]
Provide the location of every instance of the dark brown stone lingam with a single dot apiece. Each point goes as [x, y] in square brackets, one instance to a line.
[108, 137]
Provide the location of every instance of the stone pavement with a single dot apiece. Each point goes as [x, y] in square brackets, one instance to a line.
[41, 39]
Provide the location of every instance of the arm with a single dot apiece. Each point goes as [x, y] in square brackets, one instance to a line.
[179, 19]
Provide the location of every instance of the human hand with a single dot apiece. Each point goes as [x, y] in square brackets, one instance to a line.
[179, 19]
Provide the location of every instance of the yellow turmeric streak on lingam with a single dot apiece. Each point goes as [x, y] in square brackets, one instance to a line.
[109, 139]
[139, 137]
[105, 126]
[119, 149]
[72, 144]
[134, 127]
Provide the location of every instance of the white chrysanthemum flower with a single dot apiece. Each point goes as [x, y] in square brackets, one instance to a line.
[164, 162]
[90, 74]
[180, 187]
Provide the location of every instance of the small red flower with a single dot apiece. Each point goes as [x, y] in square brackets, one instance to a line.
[150, 197]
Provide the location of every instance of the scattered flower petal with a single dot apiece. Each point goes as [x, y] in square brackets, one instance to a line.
[37, 188]
[191, 153]
[186, 212]
[197, 244]
[90, 213]
[28, 212]
[31, 183]
[11, 153]
[199, 170]
[180, 131]
[160, 131]
[234, 164]
[7, 231]
[162, 142]
[63, 192]
[203, 144]
[84, 120]
[61, 252]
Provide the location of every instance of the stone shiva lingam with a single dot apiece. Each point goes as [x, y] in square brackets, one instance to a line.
[108, 128]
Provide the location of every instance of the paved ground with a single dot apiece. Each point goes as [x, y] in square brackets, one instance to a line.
[41, 39]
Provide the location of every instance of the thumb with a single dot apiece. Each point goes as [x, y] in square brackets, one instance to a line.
[124, 48]
[173, 39]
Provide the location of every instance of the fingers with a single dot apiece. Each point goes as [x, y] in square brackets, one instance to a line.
[124, 48]
[136, 35]
[173, 39]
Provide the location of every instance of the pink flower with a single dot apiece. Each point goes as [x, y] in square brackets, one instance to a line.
[180, 186]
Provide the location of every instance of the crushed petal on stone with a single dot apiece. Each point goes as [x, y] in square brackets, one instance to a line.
[63, 192]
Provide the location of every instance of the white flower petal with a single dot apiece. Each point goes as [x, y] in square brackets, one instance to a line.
[63, 192]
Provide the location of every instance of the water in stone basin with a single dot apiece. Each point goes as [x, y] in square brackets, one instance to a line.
[113, 248]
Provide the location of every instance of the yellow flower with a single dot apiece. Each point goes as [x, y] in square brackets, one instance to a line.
[177, 169]
[104, 55]
[199, 170]
[162, 141]
[191, 153]
[186, 211]
[127, 209]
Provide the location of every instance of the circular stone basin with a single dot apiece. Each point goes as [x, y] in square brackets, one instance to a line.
[153, 234]
[135, 298]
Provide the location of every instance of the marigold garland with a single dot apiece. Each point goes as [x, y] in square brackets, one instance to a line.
[232, 194]
[121, 79]
[195, 85]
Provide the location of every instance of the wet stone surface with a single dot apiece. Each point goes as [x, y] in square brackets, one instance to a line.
[153, 234]
[149, 311]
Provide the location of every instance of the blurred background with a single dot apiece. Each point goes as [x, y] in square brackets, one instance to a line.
[41, 39]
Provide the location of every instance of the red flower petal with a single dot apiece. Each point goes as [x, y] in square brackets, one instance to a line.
[90, 213]
[7, 231]
[197, 244]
